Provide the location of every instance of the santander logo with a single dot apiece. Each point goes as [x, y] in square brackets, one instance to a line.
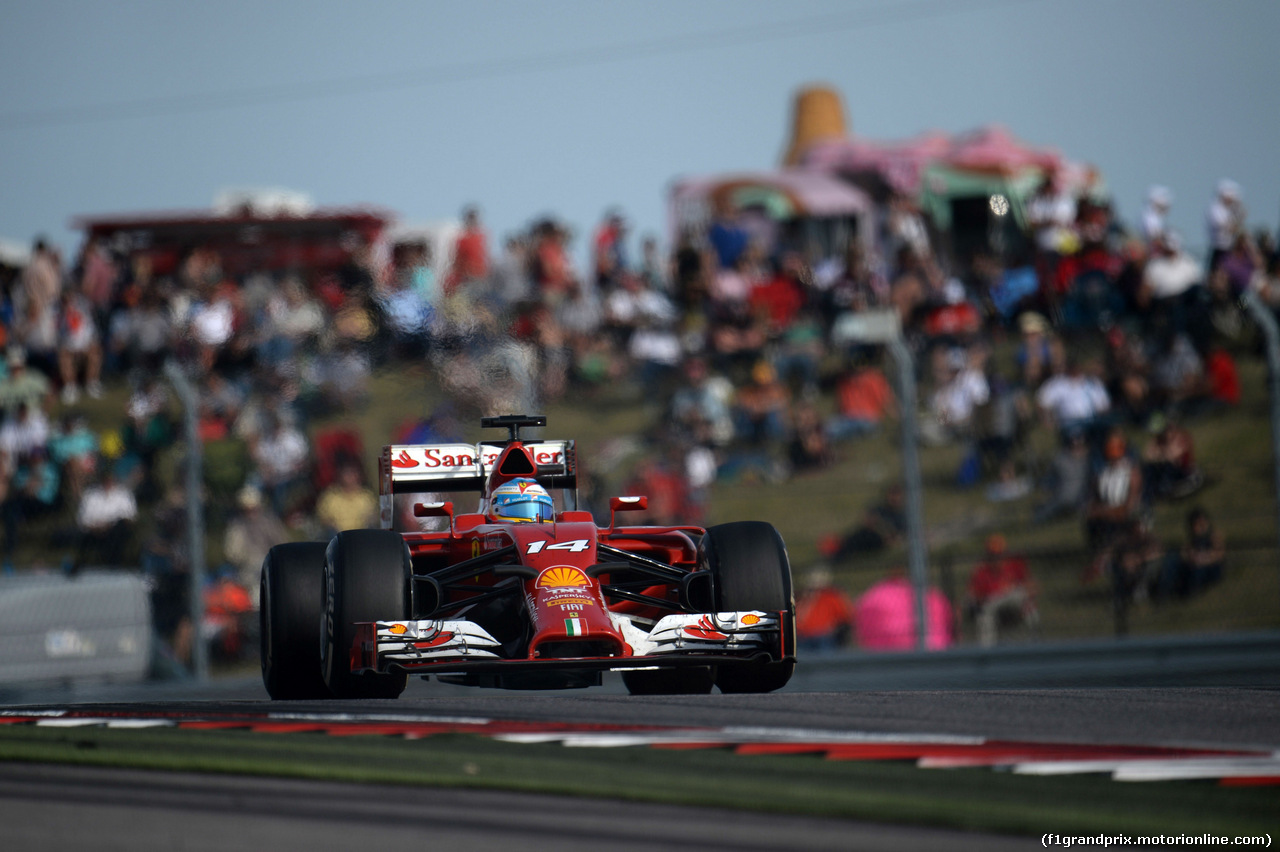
[404, 460]
[436, 641]
[704, 629]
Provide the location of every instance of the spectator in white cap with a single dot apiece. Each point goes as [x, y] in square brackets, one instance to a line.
[1224, 220]
[1172, 286]
[1159, 200]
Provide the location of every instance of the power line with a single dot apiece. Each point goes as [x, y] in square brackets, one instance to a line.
[484, 69]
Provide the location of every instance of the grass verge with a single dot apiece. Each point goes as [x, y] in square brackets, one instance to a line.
[975, 799]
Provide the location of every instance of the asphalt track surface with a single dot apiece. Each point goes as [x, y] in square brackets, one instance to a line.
[69, 807]
[1229, 716]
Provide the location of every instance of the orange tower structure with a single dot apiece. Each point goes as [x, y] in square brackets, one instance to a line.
[817, 115]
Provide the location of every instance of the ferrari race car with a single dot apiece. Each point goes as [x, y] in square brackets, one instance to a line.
[525, 593]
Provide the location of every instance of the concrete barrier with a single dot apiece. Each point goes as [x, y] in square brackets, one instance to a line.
[1244, 659]
[94, 626]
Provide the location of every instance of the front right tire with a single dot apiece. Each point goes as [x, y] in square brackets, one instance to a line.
[290, 610]
[367, 577]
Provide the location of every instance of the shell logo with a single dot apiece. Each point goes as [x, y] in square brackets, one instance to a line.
[750, 620]
[562, 577]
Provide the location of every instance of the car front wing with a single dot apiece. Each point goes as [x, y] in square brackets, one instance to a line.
[682, 639]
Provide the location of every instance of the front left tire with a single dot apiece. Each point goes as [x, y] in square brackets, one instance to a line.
[749, 563]
[290, 610]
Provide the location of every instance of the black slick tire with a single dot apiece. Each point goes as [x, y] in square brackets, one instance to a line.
[290, 612]
[367, 577]
[749, 563]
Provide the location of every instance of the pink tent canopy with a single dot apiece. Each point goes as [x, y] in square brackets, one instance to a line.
[899, 163]
[995, 149]
[902, 164]
[782, 195]
[803, 193]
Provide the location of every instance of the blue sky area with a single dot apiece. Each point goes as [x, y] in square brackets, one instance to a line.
[569, 108]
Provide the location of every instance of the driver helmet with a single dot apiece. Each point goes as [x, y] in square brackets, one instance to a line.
[522, 500]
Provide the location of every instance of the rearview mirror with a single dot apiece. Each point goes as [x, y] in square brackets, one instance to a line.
[626, 504]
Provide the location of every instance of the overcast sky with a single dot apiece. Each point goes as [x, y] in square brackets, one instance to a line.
[569, 107]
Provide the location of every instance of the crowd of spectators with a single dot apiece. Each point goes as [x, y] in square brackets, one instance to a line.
[731, 339]
[1111, 340]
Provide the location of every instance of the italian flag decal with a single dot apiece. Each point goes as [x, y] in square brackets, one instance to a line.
[574, 627]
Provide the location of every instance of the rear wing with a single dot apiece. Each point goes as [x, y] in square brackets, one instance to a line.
[426, 468]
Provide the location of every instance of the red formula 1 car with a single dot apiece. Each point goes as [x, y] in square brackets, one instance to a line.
[525, 593]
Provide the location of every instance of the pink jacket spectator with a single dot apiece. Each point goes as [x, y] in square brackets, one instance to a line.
[884, 617]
